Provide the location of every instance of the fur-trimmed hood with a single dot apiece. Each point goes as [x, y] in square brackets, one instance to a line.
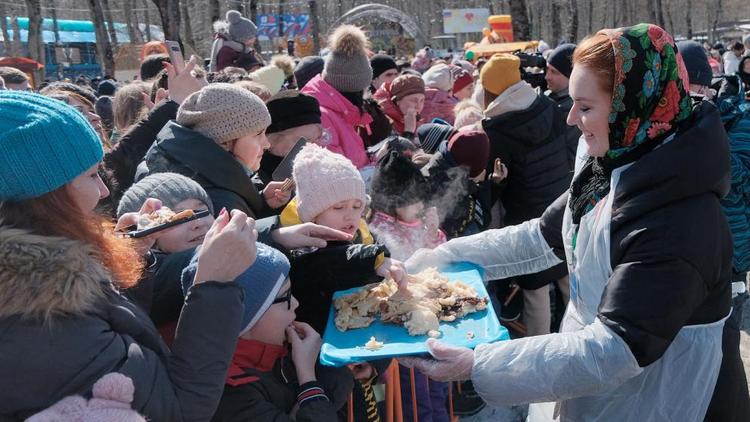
[43, 276]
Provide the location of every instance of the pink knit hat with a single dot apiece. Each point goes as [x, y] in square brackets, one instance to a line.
[111, 399]
[324, 178]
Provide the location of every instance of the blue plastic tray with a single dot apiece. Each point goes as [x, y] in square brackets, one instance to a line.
[343, 348]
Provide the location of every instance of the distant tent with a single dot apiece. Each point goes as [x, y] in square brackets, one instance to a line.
[78, 31]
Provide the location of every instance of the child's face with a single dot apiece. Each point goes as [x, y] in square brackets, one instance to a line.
[188, 235]
[410, 213]
[271, 327]
[249, 149]
[344, 216]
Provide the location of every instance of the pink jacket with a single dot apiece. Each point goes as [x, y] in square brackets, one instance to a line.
[438, 104]
[340, 117]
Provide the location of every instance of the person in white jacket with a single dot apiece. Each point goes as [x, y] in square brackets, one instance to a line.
[646, 244]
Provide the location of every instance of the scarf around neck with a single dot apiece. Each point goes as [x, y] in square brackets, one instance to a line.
[649, 100]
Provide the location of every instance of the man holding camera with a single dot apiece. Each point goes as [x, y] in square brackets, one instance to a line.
[559, 66]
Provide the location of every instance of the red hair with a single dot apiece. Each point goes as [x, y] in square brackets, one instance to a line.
[56, 214]
[597, 54]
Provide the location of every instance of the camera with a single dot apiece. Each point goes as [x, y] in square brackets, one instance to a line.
[529, 61]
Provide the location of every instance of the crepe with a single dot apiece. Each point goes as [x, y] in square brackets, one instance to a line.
[161, 216]
[430, 298]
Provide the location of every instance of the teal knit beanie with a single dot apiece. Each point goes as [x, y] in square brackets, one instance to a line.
[44, 144]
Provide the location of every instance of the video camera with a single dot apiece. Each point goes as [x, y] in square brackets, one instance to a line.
[535, 60]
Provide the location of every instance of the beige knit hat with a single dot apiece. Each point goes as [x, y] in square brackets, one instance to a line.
[269, 76]
[224, 112]
[324, 178]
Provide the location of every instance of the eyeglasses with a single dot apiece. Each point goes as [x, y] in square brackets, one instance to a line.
[286, 297]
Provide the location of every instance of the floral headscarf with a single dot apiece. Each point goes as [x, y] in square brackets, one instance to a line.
[649, 100]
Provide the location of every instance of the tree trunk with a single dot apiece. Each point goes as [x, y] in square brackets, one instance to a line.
[571, 33]
[103, 47]
[556, 26]
[169, 12]
[314, 25]
[214, 11]
[590, 29]
[110, 24]
[254, 18]
[35, 42]
[17, 46]
[53, 14]
[147, 20]
[133, 30]
[659, 13]
[521, 30]
[187, 27]
[668, 19]
[689, 19]
[7, 44]
[651, 13]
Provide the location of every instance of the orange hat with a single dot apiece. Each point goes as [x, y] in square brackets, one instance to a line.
[500, 72]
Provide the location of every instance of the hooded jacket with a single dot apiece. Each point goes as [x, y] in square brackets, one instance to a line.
[341, 118]
[262, 386]
[228, 183]
[63, 326]
[527, 134]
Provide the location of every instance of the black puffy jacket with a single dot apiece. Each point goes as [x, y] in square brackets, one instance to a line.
[532, 144]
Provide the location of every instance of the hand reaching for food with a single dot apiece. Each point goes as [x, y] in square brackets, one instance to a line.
[306, 344]
[229, 248]
[391, 268]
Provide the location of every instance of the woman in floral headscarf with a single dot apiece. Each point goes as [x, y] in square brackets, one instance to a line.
[646, 244]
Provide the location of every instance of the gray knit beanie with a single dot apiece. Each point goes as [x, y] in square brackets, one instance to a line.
[240, 29]
[224, 112]
[169, 188]
[347, 67]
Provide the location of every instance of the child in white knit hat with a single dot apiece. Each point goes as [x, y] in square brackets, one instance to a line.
[331, 192]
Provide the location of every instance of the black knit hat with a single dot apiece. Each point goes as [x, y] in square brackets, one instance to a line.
[308, 68]
[696, 62]
[290, 109]
[431, 135]
[396, 183]
[381, 63]
[561, 58]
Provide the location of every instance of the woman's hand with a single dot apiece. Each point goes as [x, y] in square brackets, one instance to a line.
[448, 363]
[276, 197]
[307, 235]
[146, 243]
[410, 120]
[305, 343]
[161, 95]
[182, 84]
[228, 249]
[391, 268]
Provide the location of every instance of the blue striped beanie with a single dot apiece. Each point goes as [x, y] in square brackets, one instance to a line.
[44, 144]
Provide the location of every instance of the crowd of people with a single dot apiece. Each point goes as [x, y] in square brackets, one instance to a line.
[610, 216]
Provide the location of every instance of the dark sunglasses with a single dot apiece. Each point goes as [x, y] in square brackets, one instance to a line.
[287, 297]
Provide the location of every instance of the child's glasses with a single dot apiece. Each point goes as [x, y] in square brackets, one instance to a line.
[287, 297]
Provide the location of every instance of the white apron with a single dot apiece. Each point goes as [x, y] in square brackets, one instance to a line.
[677, 387]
